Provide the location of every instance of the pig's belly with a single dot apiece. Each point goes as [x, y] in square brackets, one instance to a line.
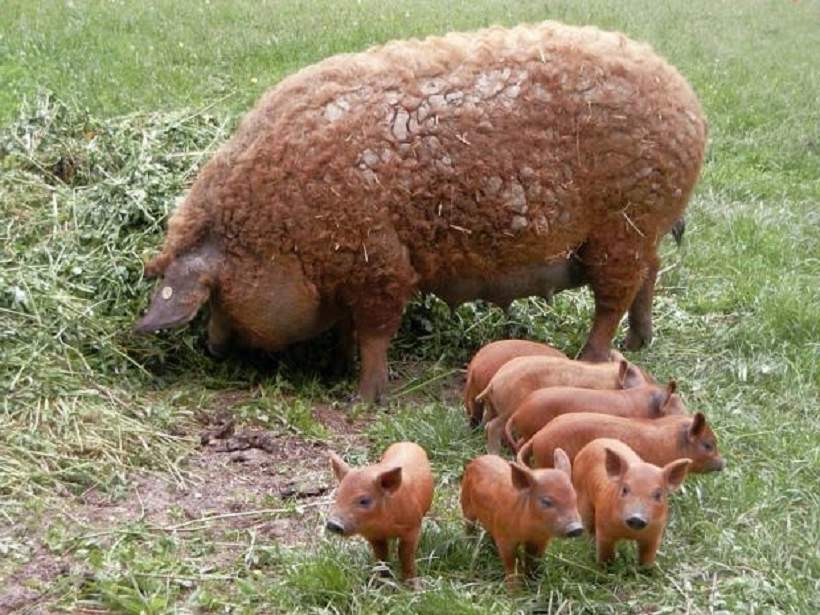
[503, 287]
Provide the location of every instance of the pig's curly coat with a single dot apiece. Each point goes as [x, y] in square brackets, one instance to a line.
[418, 162]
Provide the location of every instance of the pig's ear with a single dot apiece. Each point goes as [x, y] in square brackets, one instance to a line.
[521, 476]
[675, 472]
[623, 370]
[697, 427]
[615, 356]
[561, 462]
[390, 480]
[660, 401]
[340, 468]
[615, 464]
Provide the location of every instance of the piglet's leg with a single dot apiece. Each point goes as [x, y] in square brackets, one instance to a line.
[407, 554]
[640, 313]
[605, 548]
[381, 551]
[647, 549]
[494, 429]
[510, 561]
[533, 554]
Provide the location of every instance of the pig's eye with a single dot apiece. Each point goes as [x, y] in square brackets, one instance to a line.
[658, 495]
[625, 491]
[364, 501]
[546, 503]
[707, 446]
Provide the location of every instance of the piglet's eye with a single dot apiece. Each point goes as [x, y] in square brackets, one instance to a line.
[546, 503]
[657, 495]
[707, 446]
[364, 501]
[625, 490]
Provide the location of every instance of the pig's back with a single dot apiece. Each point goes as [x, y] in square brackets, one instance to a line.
[574, 431]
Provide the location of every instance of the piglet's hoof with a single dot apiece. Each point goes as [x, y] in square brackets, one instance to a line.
[413, 584]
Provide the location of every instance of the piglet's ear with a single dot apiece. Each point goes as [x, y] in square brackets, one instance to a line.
[340, 468]
[561, 462]
[615, 464]
[623, 370]
[698, 425]
[675, 472]
[390, 480]
[521, 477]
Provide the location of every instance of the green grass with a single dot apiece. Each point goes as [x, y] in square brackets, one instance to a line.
[124, 100]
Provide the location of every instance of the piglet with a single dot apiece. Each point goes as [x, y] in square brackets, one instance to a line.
[518, 506]
[621, 497]
[488, 360]
[540, 407]
[383, 501]
[519, 377]
[657, 441]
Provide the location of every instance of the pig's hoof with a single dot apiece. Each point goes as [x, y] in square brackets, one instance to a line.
[413, 584]
[637, 340]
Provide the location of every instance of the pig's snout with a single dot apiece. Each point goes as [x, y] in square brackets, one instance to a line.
[574, 530]
[717, 464]
[636, 522]
[335, 527]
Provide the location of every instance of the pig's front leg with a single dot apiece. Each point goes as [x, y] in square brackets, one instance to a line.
[647, 549]
[605, 548]
[407, 555]
[533, 554]
[373, 352]
[507, 552]
[381, 551]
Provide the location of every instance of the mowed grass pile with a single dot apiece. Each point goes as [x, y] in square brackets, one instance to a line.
[109, 108]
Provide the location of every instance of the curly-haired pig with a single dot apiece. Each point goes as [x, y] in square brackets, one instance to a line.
[541, 406]
[622, 497]
[657, 441]
[517, 378]
[488, 360]
[486, 164]
[384, 501]
[520, 507]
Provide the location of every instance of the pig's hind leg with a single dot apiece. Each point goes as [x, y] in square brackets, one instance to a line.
[616, 266]
[640, 312]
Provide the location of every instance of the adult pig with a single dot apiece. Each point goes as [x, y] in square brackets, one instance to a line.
[550, 151]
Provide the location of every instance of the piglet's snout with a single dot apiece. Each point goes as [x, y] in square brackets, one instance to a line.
[636, 522]
[574, 529]
[335, 526]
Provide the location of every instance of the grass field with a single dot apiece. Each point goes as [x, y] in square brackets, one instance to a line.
[108, 501]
